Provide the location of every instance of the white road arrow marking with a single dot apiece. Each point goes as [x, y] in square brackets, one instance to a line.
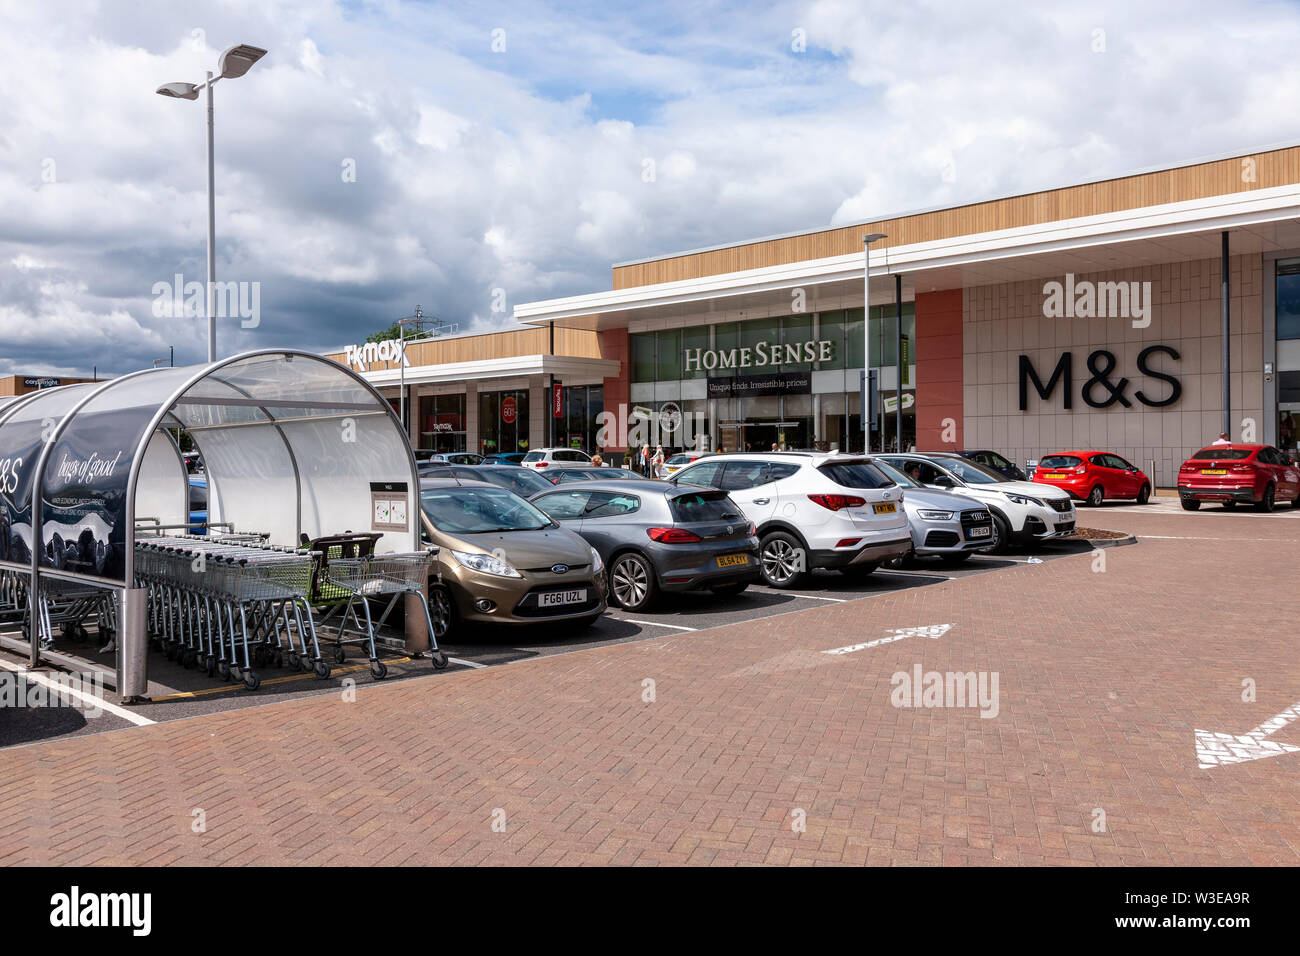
[1218, 750]
[902, 633]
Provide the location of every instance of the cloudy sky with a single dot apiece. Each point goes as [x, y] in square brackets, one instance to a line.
[389, 153]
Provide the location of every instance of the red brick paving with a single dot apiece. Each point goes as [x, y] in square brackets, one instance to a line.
[1103, 678]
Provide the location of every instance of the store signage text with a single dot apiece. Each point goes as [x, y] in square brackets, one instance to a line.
[775, 383]
[1101, 364]
[40, 382]
[557, 401]
[390, 350]
[85, 470]
[1098, 300]
[759, 356]
[509, 410]
[9, 468]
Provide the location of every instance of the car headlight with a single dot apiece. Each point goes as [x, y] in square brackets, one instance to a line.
[597, 565]
[1023, 499]
[486, 563]
[936, 515]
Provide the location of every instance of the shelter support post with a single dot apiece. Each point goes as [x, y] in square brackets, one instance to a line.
[417, 631]
[132, 645]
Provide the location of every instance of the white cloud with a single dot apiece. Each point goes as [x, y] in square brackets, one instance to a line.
[523, 170]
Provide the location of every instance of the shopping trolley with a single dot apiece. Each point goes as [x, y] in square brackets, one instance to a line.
[377, 576]
[229, 605]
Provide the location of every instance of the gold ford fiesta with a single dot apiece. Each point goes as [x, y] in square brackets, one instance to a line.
[503, 560]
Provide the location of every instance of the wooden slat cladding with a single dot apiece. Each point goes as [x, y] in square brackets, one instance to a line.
[1278, 167]
[578, 343]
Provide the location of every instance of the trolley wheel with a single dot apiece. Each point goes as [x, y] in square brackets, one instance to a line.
[294, 660]
[252, 681]
[224, 670]
[439, 660]
[190, 659]
[210, 664]
[278, 659]
[378, 670]
[322, 670]
[169, 651]
[340, 654]
[307, 665]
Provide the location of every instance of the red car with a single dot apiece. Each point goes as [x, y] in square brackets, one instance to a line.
[1250, 474]
[1093, 476]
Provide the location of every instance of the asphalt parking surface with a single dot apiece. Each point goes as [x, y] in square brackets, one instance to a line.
[176, 693]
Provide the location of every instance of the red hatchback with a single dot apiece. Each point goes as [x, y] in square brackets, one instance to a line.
[1250, 474]
[1093, 476]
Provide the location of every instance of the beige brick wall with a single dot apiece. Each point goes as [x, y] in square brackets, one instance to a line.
[1002, 322]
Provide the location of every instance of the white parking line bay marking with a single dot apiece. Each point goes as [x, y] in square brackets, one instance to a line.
[675, 627]
[902, 633]
[1218, 750]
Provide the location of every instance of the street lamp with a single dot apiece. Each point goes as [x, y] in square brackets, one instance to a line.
[866, 334]
[234, 63]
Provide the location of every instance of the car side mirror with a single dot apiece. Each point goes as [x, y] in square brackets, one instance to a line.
[943, 481]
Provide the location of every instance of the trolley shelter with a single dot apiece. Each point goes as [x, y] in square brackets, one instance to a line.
[294, 445]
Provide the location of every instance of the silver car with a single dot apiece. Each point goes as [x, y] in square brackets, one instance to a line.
[655, 537]
[945, 525]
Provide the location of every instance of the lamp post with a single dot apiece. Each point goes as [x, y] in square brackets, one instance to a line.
[234, 63]
[866, 336]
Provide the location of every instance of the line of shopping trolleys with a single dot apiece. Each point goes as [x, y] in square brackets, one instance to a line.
[231, 603]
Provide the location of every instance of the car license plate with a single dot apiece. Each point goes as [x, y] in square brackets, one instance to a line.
[888, 508]
[1053, 477]
[979, 532]
[733, 560]
[1214, 471]
[560, 598]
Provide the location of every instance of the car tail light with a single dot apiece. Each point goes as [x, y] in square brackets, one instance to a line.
[847, 542]
[1081, 470]
[1242, 469]
[542, 464]
[1187, 466]
[672, 535]
[837, 502]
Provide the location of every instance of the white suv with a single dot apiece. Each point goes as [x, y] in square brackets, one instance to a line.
[812, 510]
[1025, 510]
[545, 457]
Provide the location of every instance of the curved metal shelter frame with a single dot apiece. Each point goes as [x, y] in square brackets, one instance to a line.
[293, 444]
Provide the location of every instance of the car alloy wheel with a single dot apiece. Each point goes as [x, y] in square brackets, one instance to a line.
[442, 610]
[782, 561]
[1095, 497]
[631, 581]
[1001, 535]
[1144, 494]
[1266, 503]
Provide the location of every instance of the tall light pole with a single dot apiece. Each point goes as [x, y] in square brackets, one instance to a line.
[234, 63]
[866, 336]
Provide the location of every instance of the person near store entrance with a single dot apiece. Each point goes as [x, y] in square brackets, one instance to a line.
[657, 463]
[643, 461]
[1222, 439]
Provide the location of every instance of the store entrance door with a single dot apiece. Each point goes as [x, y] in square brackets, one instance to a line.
[761, 436]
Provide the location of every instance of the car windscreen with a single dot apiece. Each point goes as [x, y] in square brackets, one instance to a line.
[703, 506]
[519, 480]
[970, 472]
[856, 474]
[898, 477]
[535, 456]
[1223, 454]
[464, 510]
[1059, 461]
